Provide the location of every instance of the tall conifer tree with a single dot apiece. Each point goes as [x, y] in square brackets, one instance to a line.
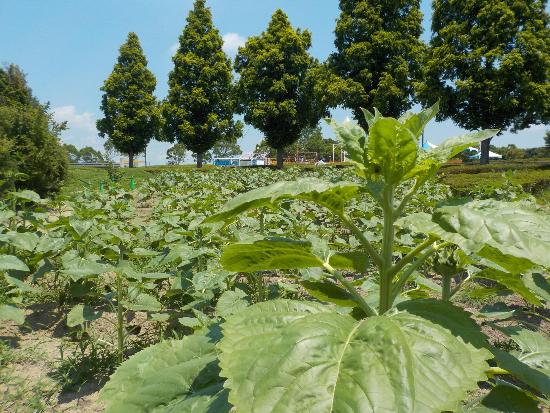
[378, 55]
[276, 89]
[130, 109]
[199, 108]
[489, 63]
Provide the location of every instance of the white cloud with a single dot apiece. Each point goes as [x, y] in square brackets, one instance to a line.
[174, 48]
[232, 42]
[81, 127]
[82, 132]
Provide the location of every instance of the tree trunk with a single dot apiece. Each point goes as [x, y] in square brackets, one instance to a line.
[280, 157]
[484, 157]
[199, 159]
[130, 159]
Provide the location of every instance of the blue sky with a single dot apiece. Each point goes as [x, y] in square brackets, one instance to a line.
[68, 48]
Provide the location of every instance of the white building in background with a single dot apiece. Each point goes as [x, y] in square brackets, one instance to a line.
[246, 159]
[125, 163]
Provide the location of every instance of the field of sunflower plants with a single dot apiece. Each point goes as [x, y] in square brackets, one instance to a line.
[366, 288]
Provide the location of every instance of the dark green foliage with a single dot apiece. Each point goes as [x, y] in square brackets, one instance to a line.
[489, 64]
[13, 87]
[199, 109]
[131, 111]
[73, 152]
[513, 152]
[547, 140]
[225, 149]
[31, 156]
[84, 155]
[276, 89]
[176, 154]
[378, 54]
[312, 140]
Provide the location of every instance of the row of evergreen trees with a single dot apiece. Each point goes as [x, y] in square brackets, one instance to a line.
[487, 62]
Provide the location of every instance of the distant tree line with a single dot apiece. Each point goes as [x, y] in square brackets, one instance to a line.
[513, 152]
[486, 62]
[84, 155]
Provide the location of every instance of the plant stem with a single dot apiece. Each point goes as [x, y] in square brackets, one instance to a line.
[405, 275]
[120, 309]
[351, 289]
[405, 201]
[446, 288]
[411, 256]
[361, 237]
[262, 221]
[120, 318]
[387, 251]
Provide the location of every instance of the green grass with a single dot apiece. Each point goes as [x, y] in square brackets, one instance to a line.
[81, 177]
[496, 166]
[534, 181]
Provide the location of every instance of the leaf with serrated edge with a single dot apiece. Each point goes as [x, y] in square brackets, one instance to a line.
[172, 376]
[511, 282]
[534, 348]
[231, 302]
[510, 234]
[289, 356]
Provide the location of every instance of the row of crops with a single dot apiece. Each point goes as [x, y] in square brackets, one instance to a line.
[329, 290]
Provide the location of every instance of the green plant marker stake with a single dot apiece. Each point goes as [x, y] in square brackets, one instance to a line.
[132, 183]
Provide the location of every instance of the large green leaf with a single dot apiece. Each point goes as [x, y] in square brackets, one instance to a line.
[143, 302]
[538, 284]
[355, 261]
[80, 314]
[461, 324]
[26, 241]
[78, 268]
[270, 254]
[504, 399]
[231, 302]
[27, 195]
[449, 316]
[534, 348]
[292, 356]
[511, 234]
[330, 195]
[511, 282]
[210, 279]
[50, 244]
[9, 262]
[522, 371]
[176, 376]
[392, 149]
[10, 312]
[20, 285]
[80, 226]
[329, 292]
